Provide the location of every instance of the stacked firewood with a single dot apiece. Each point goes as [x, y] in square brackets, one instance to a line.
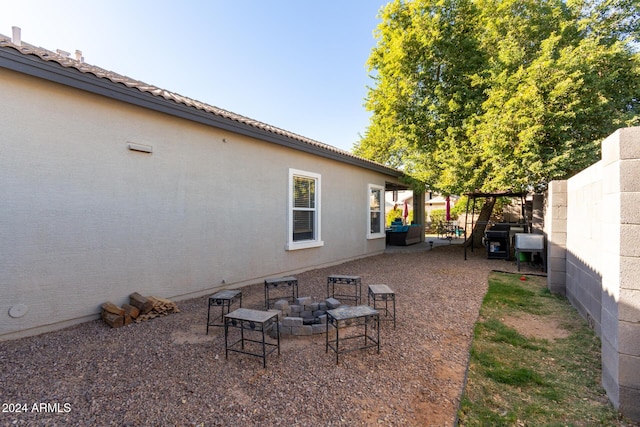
[140, 308]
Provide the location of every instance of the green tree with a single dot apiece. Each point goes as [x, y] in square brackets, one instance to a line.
[500, 94]
[396, 213]
[612, 19]
[422, 95]
[555, 90]
[460, 207]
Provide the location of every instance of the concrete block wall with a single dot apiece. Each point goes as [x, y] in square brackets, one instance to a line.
[601, 256]
[585, 243]
[620, 268]
[555, 228]
[537, 214]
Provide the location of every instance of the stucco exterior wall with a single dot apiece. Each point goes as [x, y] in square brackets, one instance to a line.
[603, 259]
[84, 219]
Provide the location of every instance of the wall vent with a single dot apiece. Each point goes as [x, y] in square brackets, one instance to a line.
[139, 147]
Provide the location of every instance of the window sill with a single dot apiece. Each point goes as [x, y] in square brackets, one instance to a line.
[376, 236]
[294, 246]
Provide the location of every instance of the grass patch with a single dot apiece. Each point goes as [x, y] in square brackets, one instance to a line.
[497, 331]
[517, 379]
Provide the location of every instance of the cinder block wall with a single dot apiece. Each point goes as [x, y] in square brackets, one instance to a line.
[621, 270]
[602, 258]
[555, 228]
[585, 243]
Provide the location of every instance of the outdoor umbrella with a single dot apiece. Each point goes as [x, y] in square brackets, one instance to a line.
[448, 207]
[405, 212]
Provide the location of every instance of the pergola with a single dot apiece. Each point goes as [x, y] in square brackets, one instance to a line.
[471, 198]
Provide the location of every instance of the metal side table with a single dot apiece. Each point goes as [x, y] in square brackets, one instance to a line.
[383, 293]
[290, 284]
[360, 317]
[223, 299]
[349, 288]
[253, 326]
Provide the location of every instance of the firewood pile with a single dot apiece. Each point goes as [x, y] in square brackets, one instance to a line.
[139, 309]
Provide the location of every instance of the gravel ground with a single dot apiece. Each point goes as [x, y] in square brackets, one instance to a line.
[166, 371]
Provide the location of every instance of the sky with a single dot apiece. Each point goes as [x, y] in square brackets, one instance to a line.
[296, 64]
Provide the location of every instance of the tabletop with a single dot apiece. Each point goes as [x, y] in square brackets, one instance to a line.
[350, 312]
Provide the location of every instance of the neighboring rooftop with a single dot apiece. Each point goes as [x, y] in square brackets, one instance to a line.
[282, 136]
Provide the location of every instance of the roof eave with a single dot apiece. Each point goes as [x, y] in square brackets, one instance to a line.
[52, 71]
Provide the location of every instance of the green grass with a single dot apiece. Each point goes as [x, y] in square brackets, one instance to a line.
[518, 380]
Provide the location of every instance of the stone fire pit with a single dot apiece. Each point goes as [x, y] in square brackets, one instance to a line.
[305, 316]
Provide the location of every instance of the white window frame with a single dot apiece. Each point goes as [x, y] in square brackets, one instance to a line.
[370, 189]
[317, 240]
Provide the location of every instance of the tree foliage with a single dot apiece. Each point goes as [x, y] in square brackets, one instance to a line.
[500, 94]
[396, 213]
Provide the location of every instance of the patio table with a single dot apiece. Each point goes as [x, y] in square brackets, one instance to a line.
[349, 288]
[223, 299]
[254, 323]
[360, 317]
[290, 286]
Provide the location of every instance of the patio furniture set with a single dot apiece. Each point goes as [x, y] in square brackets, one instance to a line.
[404, 235]
[253, 326]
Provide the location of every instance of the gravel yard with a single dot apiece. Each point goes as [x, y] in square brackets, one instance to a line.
[166, 371]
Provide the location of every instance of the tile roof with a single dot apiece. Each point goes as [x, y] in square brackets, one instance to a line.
[65, 60]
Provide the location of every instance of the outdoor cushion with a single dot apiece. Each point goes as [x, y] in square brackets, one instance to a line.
[405, 235]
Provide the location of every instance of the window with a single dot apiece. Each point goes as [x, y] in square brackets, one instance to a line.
[375, 223]
[304, 210]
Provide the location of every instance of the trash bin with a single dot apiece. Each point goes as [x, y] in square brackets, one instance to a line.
[525, 256]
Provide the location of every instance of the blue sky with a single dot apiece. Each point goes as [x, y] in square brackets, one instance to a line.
[296, 64]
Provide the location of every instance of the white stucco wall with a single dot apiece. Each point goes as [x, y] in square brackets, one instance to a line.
[84, 220]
